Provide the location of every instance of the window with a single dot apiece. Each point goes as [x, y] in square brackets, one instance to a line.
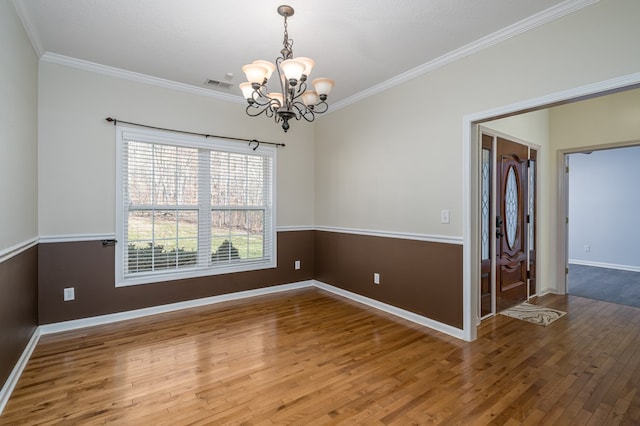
[189, 206]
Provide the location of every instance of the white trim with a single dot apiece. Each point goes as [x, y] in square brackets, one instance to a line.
[295, 228]
[161, 309]
[203, 266]
[12, 380]
[527, 24]
[154, 310]
[547, 291]
[605, 265]
[72, 238]
[388, 234]
[393, 310]
[547, 100]
[55, 58]
[14, 250]
[470, 310]
[469, 122]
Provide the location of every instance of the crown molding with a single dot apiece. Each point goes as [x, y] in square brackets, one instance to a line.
[534, 21]
[55, 58]
[506, 33]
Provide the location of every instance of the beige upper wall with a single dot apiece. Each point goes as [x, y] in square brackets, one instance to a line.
[18, 137]
[531, 127]
[77, 145]
[602, 121]
[393, 161]
[379, 165]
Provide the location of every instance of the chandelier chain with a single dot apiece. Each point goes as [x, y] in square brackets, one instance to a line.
[287, 52]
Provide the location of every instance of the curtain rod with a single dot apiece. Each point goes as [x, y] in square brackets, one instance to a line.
[257, 142]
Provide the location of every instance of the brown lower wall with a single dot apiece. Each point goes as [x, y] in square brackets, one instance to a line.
[418, 276]
[18, 307]
[90, 269]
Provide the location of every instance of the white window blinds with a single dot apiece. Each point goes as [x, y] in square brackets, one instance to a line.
[191, 207]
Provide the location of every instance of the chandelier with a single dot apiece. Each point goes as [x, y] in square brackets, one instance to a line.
[293, 100]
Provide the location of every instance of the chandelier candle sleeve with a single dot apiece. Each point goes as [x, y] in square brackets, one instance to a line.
[292, 99]
[255, 73]
[308, 65]
[268, 65]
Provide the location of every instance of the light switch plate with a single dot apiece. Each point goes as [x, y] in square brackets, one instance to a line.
[444, 216]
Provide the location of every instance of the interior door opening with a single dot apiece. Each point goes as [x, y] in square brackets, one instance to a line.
[602, 205]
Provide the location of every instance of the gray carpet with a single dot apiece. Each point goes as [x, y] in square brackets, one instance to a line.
[609, 285]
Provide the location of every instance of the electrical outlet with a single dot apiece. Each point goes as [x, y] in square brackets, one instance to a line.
[587, 247]
[376, 278]
[69, 294]
[296, 265]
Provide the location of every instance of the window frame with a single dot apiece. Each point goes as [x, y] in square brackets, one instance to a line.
[204, 207]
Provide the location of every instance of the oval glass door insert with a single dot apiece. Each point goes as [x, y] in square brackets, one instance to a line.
[511, 207]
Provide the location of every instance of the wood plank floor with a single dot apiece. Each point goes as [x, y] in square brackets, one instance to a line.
[308, 357]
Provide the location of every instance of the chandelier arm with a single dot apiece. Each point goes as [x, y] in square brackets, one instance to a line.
[255, 111]
[321, 107]
[259, 98]
[283, 80]
[302, 111]
[296, 92]
[308, 114]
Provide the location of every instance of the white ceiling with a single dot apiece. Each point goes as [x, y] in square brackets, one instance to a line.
[364, 45]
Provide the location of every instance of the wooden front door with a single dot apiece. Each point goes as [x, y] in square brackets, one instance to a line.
[511, 224]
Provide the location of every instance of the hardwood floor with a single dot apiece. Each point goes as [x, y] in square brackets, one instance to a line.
[309, 357]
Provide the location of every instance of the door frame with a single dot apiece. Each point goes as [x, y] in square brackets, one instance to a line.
[470, 170]
[563, 203]
[482, 129]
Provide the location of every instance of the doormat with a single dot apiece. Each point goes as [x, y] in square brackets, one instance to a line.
[534, 314]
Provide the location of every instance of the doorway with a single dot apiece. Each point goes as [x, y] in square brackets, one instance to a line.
[508, 222]
[602, 255]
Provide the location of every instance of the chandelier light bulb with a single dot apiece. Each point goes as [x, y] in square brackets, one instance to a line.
[323, 86]
[255, 73]
[247, 90]
[310, 98]
[277, 100]
[292, 70]
[268, 65]
[308, 64]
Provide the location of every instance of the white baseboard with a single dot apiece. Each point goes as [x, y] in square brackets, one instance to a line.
[605, 265]
[138, 313]
[12, 380]
[408, 315]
